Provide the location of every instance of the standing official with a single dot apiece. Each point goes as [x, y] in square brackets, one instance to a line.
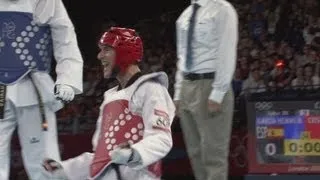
[207, 36]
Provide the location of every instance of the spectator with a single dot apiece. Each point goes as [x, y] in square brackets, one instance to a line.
[254, 83]
[237, 82]
[265, 71]
[257, 26]
[311, 79]
[298, 82]
[280, 75]
[90, 83]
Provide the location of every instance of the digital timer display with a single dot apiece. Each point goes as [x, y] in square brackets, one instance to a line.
[302, 147]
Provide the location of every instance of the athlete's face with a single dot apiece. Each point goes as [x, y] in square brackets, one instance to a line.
[107, 57]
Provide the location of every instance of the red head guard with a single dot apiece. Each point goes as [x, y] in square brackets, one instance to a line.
[127, 44]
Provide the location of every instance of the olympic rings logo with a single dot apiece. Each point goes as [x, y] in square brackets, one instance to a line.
[263, 106]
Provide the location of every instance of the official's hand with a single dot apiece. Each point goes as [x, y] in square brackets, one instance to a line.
[213, 106]
[177, 103]
[64, 92]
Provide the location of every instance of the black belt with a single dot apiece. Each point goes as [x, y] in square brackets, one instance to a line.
[116, 167]
[41, 104]
[3, 91]
[196, 76]
[44, 123]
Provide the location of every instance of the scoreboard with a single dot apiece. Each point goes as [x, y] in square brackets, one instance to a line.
[284, 136]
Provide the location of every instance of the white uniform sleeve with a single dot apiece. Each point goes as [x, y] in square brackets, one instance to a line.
[157, 110]
[66, 51]
[179, 73]
[78, 168]
[178, 84]
[227, 51]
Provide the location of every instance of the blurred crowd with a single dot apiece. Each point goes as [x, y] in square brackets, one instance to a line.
[279, 45]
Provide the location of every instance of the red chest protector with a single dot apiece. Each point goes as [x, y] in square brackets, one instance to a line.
[118, 125]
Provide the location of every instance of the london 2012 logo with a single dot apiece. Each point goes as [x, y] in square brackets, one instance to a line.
[8, 30]
[262, 106]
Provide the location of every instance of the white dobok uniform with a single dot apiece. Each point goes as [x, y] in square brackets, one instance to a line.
[140, 114]
[31, 32]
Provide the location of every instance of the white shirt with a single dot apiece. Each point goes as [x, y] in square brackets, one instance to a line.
[214, 44]
[66, 52]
